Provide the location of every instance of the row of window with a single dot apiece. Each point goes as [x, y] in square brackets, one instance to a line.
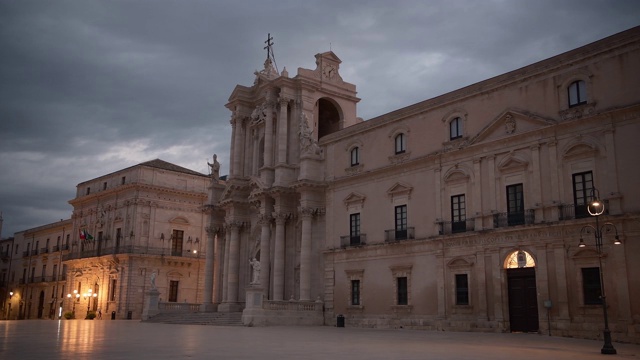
[104, 185]
[515, 215]
[591, 289]
[577, 95]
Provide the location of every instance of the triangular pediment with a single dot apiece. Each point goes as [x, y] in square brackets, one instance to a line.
[179, 220]
[512, 162]
[330, 56]
[354, 198]
[511, 122]
[399, 189]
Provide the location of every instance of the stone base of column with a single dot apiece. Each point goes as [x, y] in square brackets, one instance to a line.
[150, 306]
[230, 307]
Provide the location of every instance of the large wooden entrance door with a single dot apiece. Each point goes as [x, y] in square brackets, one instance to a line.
[523, 302]
[40, 304]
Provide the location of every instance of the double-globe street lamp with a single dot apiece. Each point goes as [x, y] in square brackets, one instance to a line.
[87, 296]
[75, 297]
[595, 209]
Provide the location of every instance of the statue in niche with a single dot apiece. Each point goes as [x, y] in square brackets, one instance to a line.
[215, 168]
[255, 265]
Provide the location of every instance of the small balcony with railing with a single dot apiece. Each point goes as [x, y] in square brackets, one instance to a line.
[356, 240]
[44, 250]
[130, 249]
[507, 219]
[455, 227]
[399, 234]
[573, 211]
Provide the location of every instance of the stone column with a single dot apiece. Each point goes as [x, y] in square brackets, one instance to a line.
[225, 279]
[278, 257]
[477, 194]
[265, 252]
[234, 261]
[238, 136]
[536, 181]
[305, 254]
[282, 130]
[268, 135]
[218, 265]
[232, 167]
[207, 303]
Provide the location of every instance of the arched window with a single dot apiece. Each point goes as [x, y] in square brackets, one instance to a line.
[455, 128]
[355, 156]
[577, 93]
[401, 145]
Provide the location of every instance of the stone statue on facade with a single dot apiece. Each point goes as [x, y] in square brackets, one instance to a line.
[308, 145]
[153, 280]
[215, 168]
[255, 265]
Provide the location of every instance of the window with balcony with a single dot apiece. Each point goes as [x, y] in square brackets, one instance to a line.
[458, 214]
[582, 192]
[401, 222]
[176, 243]
[515, 205]
[354, 229]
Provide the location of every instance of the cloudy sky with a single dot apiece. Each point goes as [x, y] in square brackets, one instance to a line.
[91, 87]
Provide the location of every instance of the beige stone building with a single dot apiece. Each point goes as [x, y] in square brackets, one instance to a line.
[461, 212]
[125, 226]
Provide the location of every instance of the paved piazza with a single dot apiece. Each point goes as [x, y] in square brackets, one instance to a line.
[122, 339]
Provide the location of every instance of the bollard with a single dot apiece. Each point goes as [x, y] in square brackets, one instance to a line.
[113, 315]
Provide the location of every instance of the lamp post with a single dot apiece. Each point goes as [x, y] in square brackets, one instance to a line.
[596, 208]
[74, 298]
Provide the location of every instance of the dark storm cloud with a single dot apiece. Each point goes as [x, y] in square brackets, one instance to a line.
[88, 87]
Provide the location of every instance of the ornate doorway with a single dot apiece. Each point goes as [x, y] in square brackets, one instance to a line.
[523, 301]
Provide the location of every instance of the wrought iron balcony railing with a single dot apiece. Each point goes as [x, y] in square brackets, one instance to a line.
[399, 234]
[515, 218]
[454, 227]
[346, 241]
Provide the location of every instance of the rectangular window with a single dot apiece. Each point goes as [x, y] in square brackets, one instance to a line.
[44, 272]
[33, 274]
[55, 272]
[403, 298]
[176, 243]
[173, 290]
[112, 290]
[355, 292]
[515, 205]
[354, 229]
[104, 185]
[582, 192]
[123, 180]
[458, 214]
[455, 129]
[577, 93]
[591, 286]
[400, 144]
[462, 289]
[401, 222]
[88, 190]
[355, 156]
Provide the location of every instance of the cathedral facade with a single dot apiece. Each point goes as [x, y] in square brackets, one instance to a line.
[468, 211]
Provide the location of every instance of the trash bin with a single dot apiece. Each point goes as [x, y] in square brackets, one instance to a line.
[340, 321]
[113, 315]
[129, 313]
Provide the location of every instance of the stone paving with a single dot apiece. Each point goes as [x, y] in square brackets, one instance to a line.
[122, 339]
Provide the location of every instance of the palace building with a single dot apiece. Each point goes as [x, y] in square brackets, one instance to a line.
[469, 211]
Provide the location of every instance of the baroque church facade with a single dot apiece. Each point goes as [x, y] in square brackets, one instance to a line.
[467, 211]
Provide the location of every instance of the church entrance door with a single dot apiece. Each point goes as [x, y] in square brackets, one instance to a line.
[523, 302]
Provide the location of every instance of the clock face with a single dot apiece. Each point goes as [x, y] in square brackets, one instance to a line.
[329, 71]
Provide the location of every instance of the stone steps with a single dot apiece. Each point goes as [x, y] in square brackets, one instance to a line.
[199, 318]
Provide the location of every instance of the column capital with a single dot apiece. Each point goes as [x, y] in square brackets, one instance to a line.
[264, 219]
[283, 100]
[280, 217]
[234, 224]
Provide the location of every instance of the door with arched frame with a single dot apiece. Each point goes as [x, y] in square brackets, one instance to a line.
[522, 292]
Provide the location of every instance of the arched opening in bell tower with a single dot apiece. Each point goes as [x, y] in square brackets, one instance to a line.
[329, 117]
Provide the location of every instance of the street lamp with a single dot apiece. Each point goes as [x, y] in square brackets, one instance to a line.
[76, 297]
[596, 208]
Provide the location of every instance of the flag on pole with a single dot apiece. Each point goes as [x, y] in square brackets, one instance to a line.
[82, 236]
[87, 235]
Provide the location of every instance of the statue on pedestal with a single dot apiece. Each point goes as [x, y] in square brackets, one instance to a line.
[255, 265]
